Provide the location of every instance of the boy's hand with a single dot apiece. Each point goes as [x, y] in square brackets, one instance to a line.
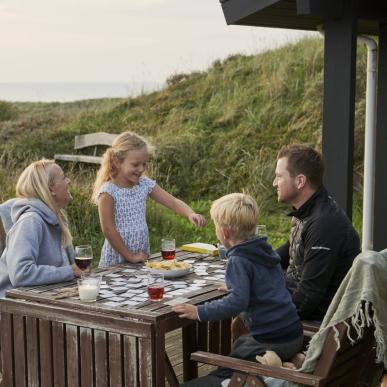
[223, 288]
[137, 258]
[186, 311]
[197, 220]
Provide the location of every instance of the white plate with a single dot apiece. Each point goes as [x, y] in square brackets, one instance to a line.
[171, 273]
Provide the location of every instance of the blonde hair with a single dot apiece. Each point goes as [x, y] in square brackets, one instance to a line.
[237, 212]
[34, 183]
[124, 143]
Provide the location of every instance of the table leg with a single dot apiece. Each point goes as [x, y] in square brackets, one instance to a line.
[190, 368]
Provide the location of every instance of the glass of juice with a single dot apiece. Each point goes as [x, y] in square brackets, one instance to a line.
[155, 286]
[168, 248]
[83, 256]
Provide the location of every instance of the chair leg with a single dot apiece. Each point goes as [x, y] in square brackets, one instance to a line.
[243, 380]
[237, 379]
[255, 381]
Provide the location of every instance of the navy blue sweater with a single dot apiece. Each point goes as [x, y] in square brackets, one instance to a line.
[257, 292]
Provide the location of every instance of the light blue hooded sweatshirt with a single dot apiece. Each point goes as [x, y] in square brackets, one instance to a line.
[33, 253]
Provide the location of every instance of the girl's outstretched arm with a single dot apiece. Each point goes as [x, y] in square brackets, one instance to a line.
[178, 206]
[108, 227]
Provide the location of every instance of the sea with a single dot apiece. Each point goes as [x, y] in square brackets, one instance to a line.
[72, 91]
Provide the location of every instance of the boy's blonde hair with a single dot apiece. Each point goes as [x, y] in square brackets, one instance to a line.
[34, 183]
[124, 143]
[237, 212]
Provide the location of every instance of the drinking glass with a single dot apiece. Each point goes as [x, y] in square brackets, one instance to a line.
[222, 252]
[88, 288]
[260, 230]
[168, 248]
[83, 256]
[155, 286]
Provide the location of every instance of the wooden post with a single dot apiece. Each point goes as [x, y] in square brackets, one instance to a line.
[339, 105]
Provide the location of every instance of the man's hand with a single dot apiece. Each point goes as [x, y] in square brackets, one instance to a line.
[186, 311]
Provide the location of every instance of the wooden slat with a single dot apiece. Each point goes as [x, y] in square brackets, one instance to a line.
[87, 356]
[214, 336]
[115, 359]
[72, 354]
[33, 366]
[20, 350]
[202, 335]
[7, 349]
[131, 361]
[59, 351]
[94, 139]
[45, 343]
[146, 363]
[79, 158]
[101, 358]
[225, 337]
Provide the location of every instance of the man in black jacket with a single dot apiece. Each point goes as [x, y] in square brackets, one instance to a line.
[322, 243]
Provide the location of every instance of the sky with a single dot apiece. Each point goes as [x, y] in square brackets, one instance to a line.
[120, 40]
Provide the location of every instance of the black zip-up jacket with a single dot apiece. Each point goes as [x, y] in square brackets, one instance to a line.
[318, 255]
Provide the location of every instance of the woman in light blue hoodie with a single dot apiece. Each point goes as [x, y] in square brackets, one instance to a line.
[39, 244]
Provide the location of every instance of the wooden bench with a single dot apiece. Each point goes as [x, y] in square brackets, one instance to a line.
[86, 141]
[337, 368]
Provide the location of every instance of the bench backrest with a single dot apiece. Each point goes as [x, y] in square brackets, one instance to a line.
[94, 139]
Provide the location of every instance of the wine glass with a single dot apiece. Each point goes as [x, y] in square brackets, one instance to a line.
[83, 256]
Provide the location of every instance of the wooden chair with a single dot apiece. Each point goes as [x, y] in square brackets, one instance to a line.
[335, 368]
[86, 141]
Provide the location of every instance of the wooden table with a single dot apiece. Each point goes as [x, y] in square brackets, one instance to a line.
[66, 342]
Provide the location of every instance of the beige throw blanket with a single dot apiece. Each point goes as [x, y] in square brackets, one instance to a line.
[366, 283]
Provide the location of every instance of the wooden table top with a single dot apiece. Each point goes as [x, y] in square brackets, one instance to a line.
[124, 290]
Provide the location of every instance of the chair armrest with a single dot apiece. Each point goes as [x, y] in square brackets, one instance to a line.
[252, 368]
[311, 326]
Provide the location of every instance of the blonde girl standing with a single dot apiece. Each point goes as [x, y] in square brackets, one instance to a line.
[121, 192]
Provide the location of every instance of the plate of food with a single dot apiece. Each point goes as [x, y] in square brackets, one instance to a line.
[170, 269]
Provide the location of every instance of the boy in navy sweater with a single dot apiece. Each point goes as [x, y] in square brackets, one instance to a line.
[256, 289]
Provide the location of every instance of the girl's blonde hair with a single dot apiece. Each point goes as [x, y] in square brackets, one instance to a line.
[237, 212]
[34, 183]
[124, 143]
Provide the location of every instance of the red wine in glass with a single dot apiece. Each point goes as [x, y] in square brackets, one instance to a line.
[156, 291]
[168, 254]
[83, 262]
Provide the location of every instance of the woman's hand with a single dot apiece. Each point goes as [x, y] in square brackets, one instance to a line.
[137, 258]
[77, 271]
[186, 311]
[197, 220]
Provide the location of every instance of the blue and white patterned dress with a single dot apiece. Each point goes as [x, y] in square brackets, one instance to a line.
[130, 219]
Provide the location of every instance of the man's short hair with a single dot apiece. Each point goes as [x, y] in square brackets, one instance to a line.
[237, 212]
[304, 160]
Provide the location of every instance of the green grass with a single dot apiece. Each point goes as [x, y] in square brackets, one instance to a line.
[215, 132]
